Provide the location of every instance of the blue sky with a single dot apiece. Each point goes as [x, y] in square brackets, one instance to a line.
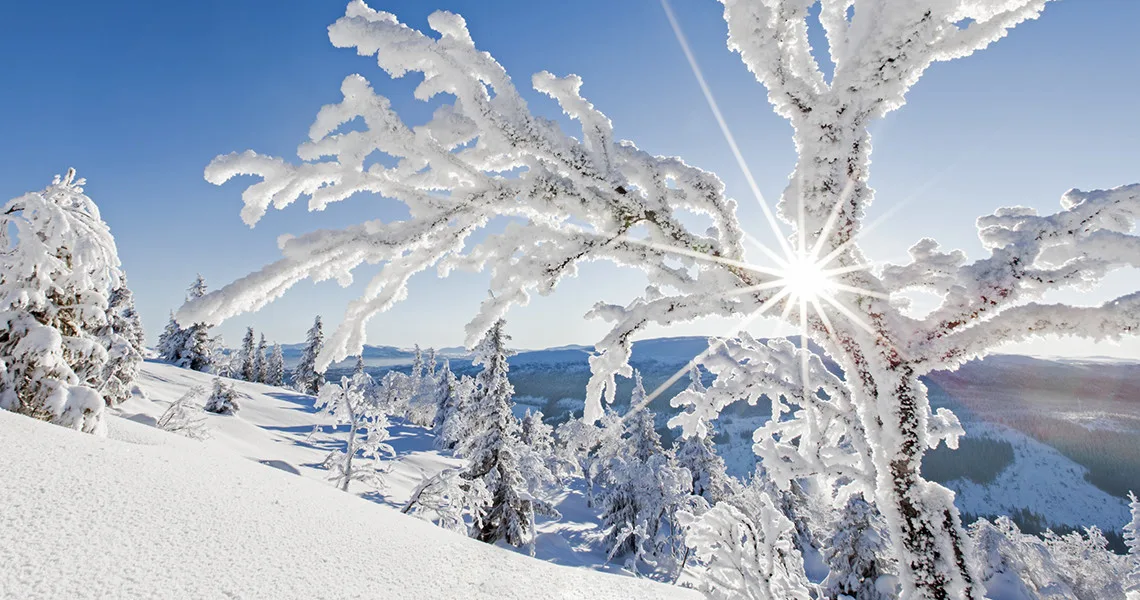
[138, 97]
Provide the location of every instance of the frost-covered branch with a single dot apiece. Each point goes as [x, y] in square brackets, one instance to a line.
[807, 436]
[481, 156]
[1030, 255]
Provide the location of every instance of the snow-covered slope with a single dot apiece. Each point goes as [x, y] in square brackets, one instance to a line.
[1041, 481]
[147, 514]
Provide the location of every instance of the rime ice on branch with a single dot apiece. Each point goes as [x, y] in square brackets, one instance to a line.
[484, 154]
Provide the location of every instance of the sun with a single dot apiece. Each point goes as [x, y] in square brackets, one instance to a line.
[806, 279]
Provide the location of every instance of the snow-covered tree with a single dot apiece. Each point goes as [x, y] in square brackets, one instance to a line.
[710, 475]
[428, 393]
[59, 265]
[275, 367]
[584, 197]
[535, 433]
[122, 338]
[643, 487]
[744, 548]
[307, 377]
[858, 555]
[350, 403]
[184, 417]
[494, 449]
[260, 373]
[124, 316]
[197, 350]
[223, 398]
[1132, 541]
[448, 409]
[248, 358]
[171, 341]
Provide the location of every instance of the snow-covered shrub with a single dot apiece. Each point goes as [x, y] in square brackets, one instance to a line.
[573, 198]
[183, 416]
[223, 398]
[55, 277]
[352, 402]
[448, 500]
[744, 548]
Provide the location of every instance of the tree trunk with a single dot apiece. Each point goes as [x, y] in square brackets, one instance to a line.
[926, 528]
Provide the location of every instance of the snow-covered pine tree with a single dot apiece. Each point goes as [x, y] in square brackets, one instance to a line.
[448, 407]
[307, 378]
[697, 453]
[122, 338]
[710, 475]
[426, 394]
[1132, 541]
[455, 423]
[198, 351]
[248, 364]
[259, 362]
[223, 398]
[350, 403]
[641, 424]
[125, 317]
[537, 434]
[171, 341]
[184, 417]
[60, 263]
[494, 449]
[858, 555]
[275, 367]
[586, 197]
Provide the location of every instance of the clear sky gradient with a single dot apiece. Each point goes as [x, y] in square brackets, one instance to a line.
[139, 96]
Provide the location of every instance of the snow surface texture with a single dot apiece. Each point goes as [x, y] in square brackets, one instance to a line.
[148, 514]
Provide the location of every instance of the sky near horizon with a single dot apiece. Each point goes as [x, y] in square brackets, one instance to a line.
[139, 97]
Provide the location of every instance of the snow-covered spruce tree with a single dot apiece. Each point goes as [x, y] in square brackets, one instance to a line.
[259, 365]
[1132, 541]
[275, 367]
[366, 440]
[122, 338]
[59, 265]
[858, 555]
[248, 366]
[124, 316]
[425, 399]
[697, 453]
[592, 197]
[307, 377]
[171, 341]
[184, 417]
[197, 350]
[494, 450]
[448, 408]
[223, 398]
